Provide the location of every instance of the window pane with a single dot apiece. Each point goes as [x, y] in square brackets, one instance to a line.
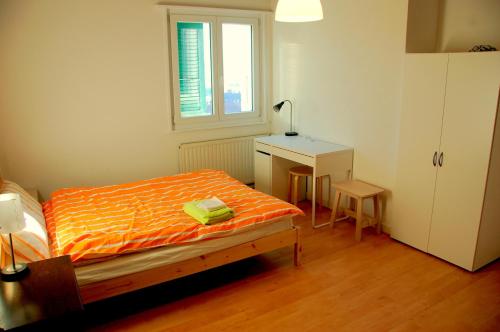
[237, 66]
[195, 69]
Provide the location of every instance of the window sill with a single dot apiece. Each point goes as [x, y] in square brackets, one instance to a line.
[217, 125]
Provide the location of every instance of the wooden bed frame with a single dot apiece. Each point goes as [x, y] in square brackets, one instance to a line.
[107, 288]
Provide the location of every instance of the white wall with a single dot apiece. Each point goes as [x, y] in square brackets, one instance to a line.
[423, 25]
[2, 163]
[344, 75]
[84, 93]
[452, 25]
[465, 23]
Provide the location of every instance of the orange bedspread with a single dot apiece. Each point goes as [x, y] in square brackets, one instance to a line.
[97, 222]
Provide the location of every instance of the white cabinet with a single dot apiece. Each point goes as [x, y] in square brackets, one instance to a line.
[263, 171]
[423, 102]
[447, 158]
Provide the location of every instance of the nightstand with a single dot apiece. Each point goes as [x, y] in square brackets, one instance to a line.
[48, 293]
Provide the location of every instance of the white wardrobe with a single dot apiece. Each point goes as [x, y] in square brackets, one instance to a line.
[447, 195]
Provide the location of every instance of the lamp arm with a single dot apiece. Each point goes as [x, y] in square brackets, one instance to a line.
[291, 111]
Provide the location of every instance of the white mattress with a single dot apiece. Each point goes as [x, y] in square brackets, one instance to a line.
[153, 258]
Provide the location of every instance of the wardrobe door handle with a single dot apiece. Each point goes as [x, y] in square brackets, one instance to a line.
[440, 162]
[434, 159]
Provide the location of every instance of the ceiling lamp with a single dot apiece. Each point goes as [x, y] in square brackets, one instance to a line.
[298, 11]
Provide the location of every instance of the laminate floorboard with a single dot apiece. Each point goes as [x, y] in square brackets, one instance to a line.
[377, 284]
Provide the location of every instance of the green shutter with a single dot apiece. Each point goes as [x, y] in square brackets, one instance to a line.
[191, 68]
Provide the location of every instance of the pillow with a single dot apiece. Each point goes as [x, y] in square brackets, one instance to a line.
[31, 244]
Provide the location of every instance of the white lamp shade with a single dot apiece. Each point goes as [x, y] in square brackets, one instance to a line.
[11, 214]
[298, 11]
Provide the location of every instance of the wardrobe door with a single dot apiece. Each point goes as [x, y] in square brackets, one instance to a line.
[420, 131]
[468, 122]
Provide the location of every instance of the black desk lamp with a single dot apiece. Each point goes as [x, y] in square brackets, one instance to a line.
[278, 107]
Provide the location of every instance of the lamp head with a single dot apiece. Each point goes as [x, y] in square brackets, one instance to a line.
[278, 106]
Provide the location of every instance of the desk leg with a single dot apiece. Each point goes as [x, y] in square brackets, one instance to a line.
[313, 199]
[313, 196]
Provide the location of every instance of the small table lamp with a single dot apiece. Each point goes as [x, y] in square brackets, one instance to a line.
[12, 220]
[278, 107]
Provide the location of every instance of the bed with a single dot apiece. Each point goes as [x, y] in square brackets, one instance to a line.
[126, 237]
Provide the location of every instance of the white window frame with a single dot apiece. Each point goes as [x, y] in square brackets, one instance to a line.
[259, 21]
[177, 119]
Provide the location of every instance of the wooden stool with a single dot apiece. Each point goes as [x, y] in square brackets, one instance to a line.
[294, 177]
[358, 190]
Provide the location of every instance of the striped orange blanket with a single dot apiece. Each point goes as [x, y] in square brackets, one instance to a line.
[98, 222]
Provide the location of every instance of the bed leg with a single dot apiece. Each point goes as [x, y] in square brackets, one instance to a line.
[297, 249]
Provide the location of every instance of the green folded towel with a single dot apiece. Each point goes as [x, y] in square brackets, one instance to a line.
[205, 217]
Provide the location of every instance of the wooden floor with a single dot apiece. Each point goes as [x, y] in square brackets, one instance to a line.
[375, 285]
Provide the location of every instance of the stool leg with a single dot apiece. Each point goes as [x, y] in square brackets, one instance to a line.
[296, 183]
[290, 177]
[352, 203]
[376, 212]
[329, 190]
[320, 192]
[335, 207]
[359, 218]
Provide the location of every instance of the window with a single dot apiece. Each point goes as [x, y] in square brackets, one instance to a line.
[215, 67]
[237, 67]
[195, 69]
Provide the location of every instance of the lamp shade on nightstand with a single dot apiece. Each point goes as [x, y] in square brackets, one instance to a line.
[11, 221]
[11, 214]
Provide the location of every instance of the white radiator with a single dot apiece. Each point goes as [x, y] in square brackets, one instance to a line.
[235, 156]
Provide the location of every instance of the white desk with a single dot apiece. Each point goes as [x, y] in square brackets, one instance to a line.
[275, 155]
